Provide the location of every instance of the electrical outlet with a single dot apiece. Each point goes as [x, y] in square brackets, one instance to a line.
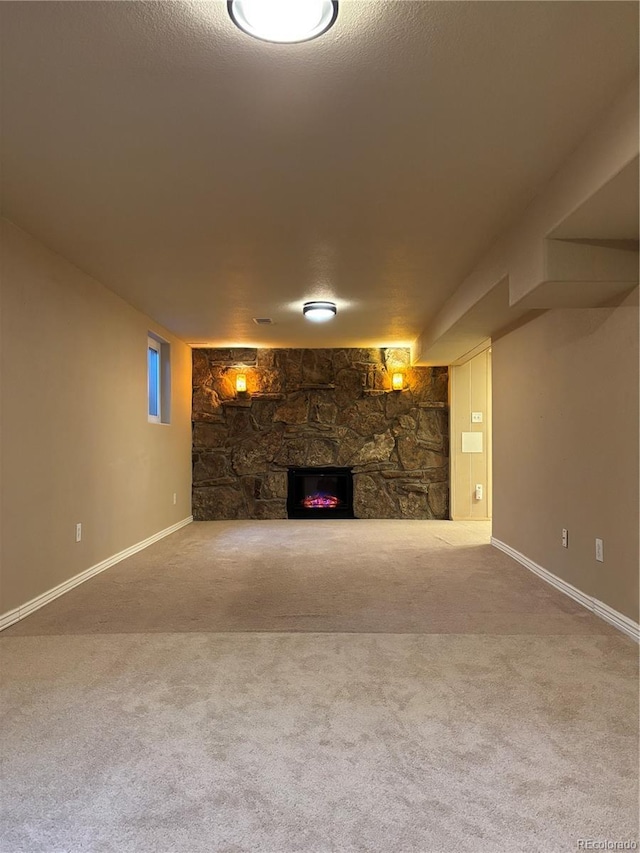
[478, 492]
[78, 532]
[476, 417]
[175, 498]
[565, 537]
[600, 550]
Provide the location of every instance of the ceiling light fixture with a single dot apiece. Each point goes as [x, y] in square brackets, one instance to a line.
[319, 312]
[283, 21]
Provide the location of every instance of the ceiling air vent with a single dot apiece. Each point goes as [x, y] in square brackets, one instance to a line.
[263, 321]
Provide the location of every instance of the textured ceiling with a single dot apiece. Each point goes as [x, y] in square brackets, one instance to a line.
[209, 178]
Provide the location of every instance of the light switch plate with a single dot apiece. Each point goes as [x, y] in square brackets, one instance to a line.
[600, 550]
[476, 417]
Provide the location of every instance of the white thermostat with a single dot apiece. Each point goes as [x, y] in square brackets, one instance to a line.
[472, 442]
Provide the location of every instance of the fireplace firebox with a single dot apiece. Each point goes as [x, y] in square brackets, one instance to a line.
[320, 493]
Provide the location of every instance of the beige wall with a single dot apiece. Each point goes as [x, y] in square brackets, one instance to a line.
[471, 392]
[565, 429]
[76, 443]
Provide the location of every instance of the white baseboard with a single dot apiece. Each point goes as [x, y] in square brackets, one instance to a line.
[23, 610]
[618, 620]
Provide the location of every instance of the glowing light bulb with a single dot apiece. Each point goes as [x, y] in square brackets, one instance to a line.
[284, 21]
[319, 312]
[241, 383]
[397, 381]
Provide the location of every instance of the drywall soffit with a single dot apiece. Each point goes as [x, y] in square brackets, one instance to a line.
[589, 259]
[584, 274]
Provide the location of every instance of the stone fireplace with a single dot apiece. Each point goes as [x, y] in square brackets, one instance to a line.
[320, 493]
[318, 408]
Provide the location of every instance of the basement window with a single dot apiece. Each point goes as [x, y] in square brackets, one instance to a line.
[158, 380]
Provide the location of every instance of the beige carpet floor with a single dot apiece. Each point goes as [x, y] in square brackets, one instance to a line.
[293, 687]
[436, 577]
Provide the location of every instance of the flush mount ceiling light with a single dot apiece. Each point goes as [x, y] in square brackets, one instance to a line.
[284, 21]
[319, 312]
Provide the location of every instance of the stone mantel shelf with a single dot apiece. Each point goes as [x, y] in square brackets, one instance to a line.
[316, 387]
[245, 402]
[267, 395]
[378, 392]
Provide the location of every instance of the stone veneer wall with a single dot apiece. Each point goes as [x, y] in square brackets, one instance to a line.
[308, 407]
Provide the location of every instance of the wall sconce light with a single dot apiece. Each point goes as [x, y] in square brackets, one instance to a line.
[397, 381]
[241, 383]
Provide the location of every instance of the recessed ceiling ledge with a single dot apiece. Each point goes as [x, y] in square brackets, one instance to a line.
[541, 262]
